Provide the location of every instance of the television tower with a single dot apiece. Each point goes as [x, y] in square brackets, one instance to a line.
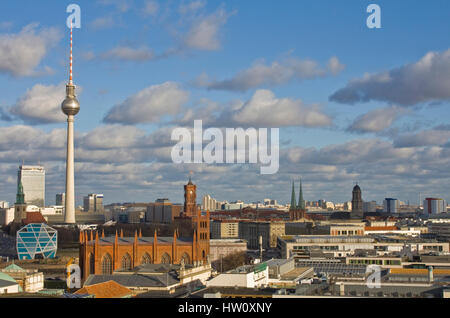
[70, 106]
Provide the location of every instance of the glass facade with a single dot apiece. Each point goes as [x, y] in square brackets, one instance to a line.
[36, 240]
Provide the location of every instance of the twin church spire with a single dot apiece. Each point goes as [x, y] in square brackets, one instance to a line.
[301, 201]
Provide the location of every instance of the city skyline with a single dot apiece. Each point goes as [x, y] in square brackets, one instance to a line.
[339, 120]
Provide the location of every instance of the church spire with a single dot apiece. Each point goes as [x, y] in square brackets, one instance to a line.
[20, 197]
[301, 202]
[293, 203]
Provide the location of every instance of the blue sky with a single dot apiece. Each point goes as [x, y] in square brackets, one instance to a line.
[393, 141]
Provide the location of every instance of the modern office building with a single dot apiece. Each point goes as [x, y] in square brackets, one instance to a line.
[434, 205]
[33, 182]
[36, 240]
[93, 203]
[390, 205]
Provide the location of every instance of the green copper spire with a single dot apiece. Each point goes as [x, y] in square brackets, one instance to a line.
[20, 197]
[301, 202]
[293, 204]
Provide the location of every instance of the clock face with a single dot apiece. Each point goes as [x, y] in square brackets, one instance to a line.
[190, 192]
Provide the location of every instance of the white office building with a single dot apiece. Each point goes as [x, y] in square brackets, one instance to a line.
[434, 205]
[33, 182]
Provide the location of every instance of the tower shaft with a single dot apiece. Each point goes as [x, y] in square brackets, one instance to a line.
[69, 216]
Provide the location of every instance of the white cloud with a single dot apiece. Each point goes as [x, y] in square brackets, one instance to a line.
[376, 120]
[422, 138]
[276, 73]
[205, 31]
[149, 105]
[424, 81]
[334, 66]
[123, 161]
[22, 52]
[265, 110]
[41, 104]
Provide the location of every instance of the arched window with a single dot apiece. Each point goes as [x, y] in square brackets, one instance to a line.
[91, 264]
[106, 264]
[186, 258]
[165, 259]
[126, 261]
[203, 254]
[146, 259]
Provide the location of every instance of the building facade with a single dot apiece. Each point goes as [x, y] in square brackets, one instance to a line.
[269, 231]
[162, 211]
[93, 203]
[434, 205]
[107, 254]
[33, 182]
[390, 205]
[224, 229]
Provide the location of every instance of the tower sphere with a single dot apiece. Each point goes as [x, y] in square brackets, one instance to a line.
[70, 106]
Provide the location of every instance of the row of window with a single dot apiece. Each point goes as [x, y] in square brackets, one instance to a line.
[106, 264]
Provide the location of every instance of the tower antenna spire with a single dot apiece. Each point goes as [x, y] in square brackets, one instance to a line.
[71, 59]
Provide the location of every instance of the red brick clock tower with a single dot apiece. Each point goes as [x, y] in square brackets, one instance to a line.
[190, 198]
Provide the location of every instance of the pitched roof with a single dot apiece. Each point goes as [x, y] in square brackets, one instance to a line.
[34, 217]
[136, 280]
[6, 283]
[109, 289]
[13, 268]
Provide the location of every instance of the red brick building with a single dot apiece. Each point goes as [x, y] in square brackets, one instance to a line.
[103, 255]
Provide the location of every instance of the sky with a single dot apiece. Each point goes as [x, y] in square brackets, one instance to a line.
[353, 104]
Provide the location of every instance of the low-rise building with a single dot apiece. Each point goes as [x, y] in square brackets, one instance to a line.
[30, 280]
[155, 277]
[284, 274]
[342, 246]
[219, 249]
[8, 285]
[246, 276]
